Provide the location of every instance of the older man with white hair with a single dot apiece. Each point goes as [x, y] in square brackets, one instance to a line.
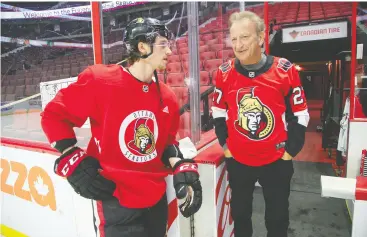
[260, 115]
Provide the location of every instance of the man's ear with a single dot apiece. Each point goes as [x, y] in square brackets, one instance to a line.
[261, 38]
[143, 48]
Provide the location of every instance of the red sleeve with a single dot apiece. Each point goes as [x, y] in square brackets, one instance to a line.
[219, 107]
[298, 98]
[297, 116]
[70, 108]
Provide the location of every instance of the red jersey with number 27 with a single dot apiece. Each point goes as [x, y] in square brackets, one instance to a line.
[257, 105]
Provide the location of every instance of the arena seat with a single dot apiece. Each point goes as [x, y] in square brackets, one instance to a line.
[185, 57]
[173, 67]
[206, 37]
[212, 41]
[10, 97]
[183, 51]
[30, 90]
[185, 126]
[175, 79]
[10, 89]
[212, 64]
[174, 59]
[204, 78]
[204, 48]
[213, 76]
[181, 94]
[182, 45]
[225, 54]
[207, 55]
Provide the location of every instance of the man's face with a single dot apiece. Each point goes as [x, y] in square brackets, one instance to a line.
[144, 140]
[161, 51]
[253, 120]
[246, 43]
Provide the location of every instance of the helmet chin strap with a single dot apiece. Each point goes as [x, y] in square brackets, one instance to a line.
[158, 87]
[155, 75]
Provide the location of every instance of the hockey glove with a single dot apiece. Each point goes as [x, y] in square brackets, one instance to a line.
[186, 176]
[82, 172]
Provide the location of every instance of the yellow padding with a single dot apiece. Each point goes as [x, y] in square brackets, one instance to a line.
[9, 232]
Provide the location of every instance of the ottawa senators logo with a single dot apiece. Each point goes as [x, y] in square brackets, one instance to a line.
[138, 136]
[255, 120]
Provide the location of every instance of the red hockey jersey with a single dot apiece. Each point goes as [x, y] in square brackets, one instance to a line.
[130, 128]
[257, 105]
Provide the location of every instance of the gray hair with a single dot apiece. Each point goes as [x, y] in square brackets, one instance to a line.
[260, 26]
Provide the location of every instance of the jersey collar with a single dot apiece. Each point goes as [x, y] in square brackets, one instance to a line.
[254, 73]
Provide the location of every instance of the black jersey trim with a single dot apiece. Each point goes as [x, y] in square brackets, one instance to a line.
[254, 73]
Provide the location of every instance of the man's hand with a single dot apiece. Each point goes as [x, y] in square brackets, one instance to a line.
[187, 186]
[286, 156]
[83, 174]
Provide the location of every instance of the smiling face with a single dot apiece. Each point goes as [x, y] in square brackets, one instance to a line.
[246, 41]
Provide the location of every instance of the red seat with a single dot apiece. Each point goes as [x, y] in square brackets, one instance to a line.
[174, 51]
[175, 79]
[185, 57]
[203, 48]
[185, 126]
[182, 45]
[206, 55]
[181, 94]
[173, 67]
[182, 40]
[204, 78]
[174, 59]
[216, 47]
[225, 54]
[212, 41]
[206, 37]
[214, 76]
[183, 50]
[212, 64]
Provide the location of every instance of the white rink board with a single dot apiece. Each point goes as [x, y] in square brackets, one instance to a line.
[72, 216]
[67, 215]
[30, 218]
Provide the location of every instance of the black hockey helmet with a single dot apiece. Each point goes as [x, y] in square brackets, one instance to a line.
[145, 30]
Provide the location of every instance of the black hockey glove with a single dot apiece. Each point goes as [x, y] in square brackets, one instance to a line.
[82, 172]
[185, 175]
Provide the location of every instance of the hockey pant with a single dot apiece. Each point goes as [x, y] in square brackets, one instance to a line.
[113, 220]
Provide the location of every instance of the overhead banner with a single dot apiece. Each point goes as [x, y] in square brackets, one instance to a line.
[42, 43]
[315, 32]
[65, 11]
[19, 9]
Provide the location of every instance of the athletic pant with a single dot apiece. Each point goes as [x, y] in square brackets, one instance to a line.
[275, 181]
[113, 220]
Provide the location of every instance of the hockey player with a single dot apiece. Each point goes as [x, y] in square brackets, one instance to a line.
[260, 115]
[134, 121]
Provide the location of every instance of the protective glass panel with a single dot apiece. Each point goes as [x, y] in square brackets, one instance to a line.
[213, 51]
[174, 15]
[44, 45]
[361, 64]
